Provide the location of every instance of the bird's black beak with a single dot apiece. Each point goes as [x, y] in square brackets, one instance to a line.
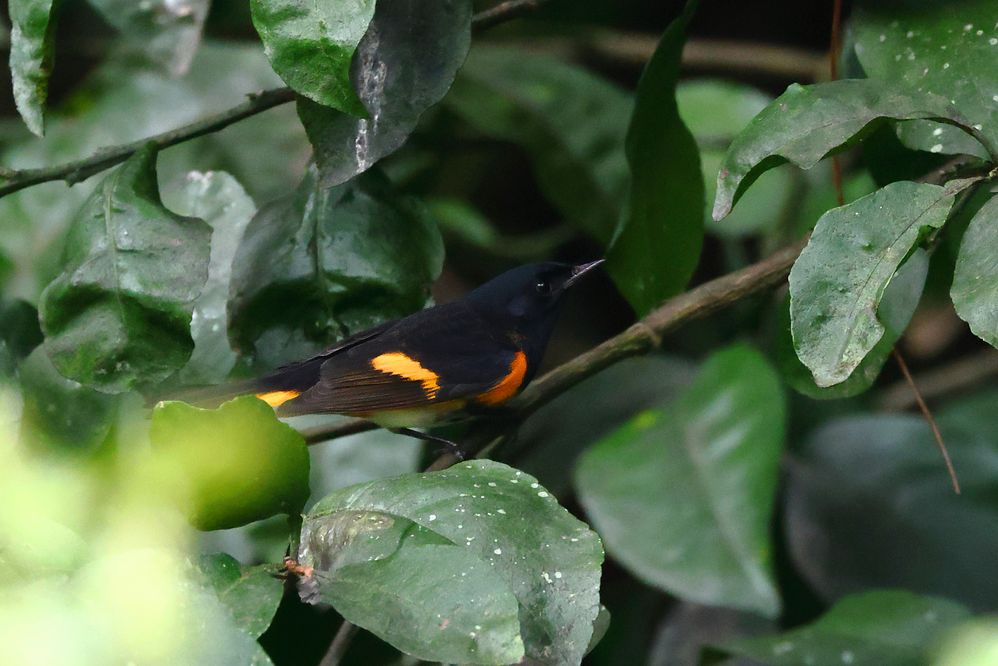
[578, 271]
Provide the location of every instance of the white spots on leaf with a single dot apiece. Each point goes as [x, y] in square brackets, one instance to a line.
[968, 27]
[557, 574]
[432, 517]
[847, 657]
[883, 37]
[497, 551]
[783, 648]
[938, 148]
[546, 576]
[945, 65]
[937, 131]
[502, 511]
[542, 494]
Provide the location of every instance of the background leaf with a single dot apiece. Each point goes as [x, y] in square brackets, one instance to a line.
[975, 281]
[503, 518]
[32, 51]
[405, 64]
[251, 594]
[657, 246]
[700, 543]
[320, 263]
[310, 45]
[838, 281]
[806, 123]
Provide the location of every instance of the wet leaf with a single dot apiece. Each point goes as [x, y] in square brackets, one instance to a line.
[405, 64]
[251, 594]
[880, 628]
[901, 297]
[310, 45]
[120, 312]
[869, 504]
[708, 465]
[167, 31]
[570, 122]
[321, 262]
[807, 123]
[218, 199]
[942, 48]
[839, 280]
[238, 463]
[32, 50]
[656, 247]
[975, 281]
[470, 543]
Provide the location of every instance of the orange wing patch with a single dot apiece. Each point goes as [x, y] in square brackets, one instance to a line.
[277, 398]
[507, 387]
[397, 363]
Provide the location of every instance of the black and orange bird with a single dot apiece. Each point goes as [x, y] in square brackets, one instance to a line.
[437, 365]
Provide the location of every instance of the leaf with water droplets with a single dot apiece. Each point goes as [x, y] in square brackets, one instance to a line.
[935, 47]
[32, 49]
[807, 123]
[838, 281]
[975, 281]
[405, 64]
[474, 564]
[881, 628]
[683, 494]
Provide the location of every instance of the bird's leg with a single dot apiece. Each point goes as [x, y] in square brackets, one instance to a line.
[449, 446]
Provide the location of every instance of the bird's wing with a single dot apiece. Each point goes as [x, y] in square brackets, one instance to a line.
[439, 355]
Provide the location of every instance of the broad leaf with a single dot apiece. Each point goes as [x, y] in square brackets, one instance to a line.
[237, 463]
[218, 199]
[975, 281]
[869, 504]
[839, 280]
[807, 123]
[252, 594]
[880, 628]
[405, 64]
[32, 47]
[901, 297]
[436, 564]
[657, 245]
[941, 48]
[168, 31]
[120, 313]
[570, 122]
[322, 262]
[310, 45]
[683, 494]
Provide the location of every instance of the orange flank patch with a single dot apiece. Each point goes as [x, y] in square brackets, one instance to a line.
[397, 363]
[507, 387]
[277, 398]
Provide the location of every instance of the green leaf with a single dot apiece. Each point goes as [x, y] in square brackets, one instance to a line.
[975, 281]
[32, 50]
[708, 466]
[322, 262]
[218, 199]
[120, 312]
[570, 122]
[879, 628]
[929, 46]
[838, 281]
[807, 123]
[60, 414]
[310, 45]
[404, 64]
[238, 463]
[716, 111]
[252, 594]
[464, 543]
[869, 504]
[168, 32]
[901, 297]
[656, 248]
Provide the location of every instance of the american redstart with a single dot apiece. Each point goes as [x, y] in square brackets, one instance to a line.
[436, 365]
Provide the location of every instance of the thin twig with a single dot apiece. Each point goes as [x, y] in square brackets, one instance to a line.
[504, 11]
[959, 375]
[341, 641]
[929, 418]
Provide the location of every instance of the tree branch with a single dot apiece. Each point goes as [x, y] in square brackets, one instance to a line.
[503, 12]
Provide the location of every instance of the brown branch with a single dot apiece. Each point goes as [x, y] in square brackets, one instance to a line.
[503, 12]
[951, 378]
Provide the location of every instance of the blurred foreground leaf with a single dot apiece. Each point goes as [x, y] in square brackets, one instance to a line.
[881, 628]
[404, 64]
[683, 494]
[475, 564]
[656, 246]
[310, 45]
[975, 281]
[32, 48]
[237, 463]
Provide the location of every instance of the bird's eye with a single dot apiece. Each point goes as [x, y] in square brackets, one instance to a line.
[542, 287]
